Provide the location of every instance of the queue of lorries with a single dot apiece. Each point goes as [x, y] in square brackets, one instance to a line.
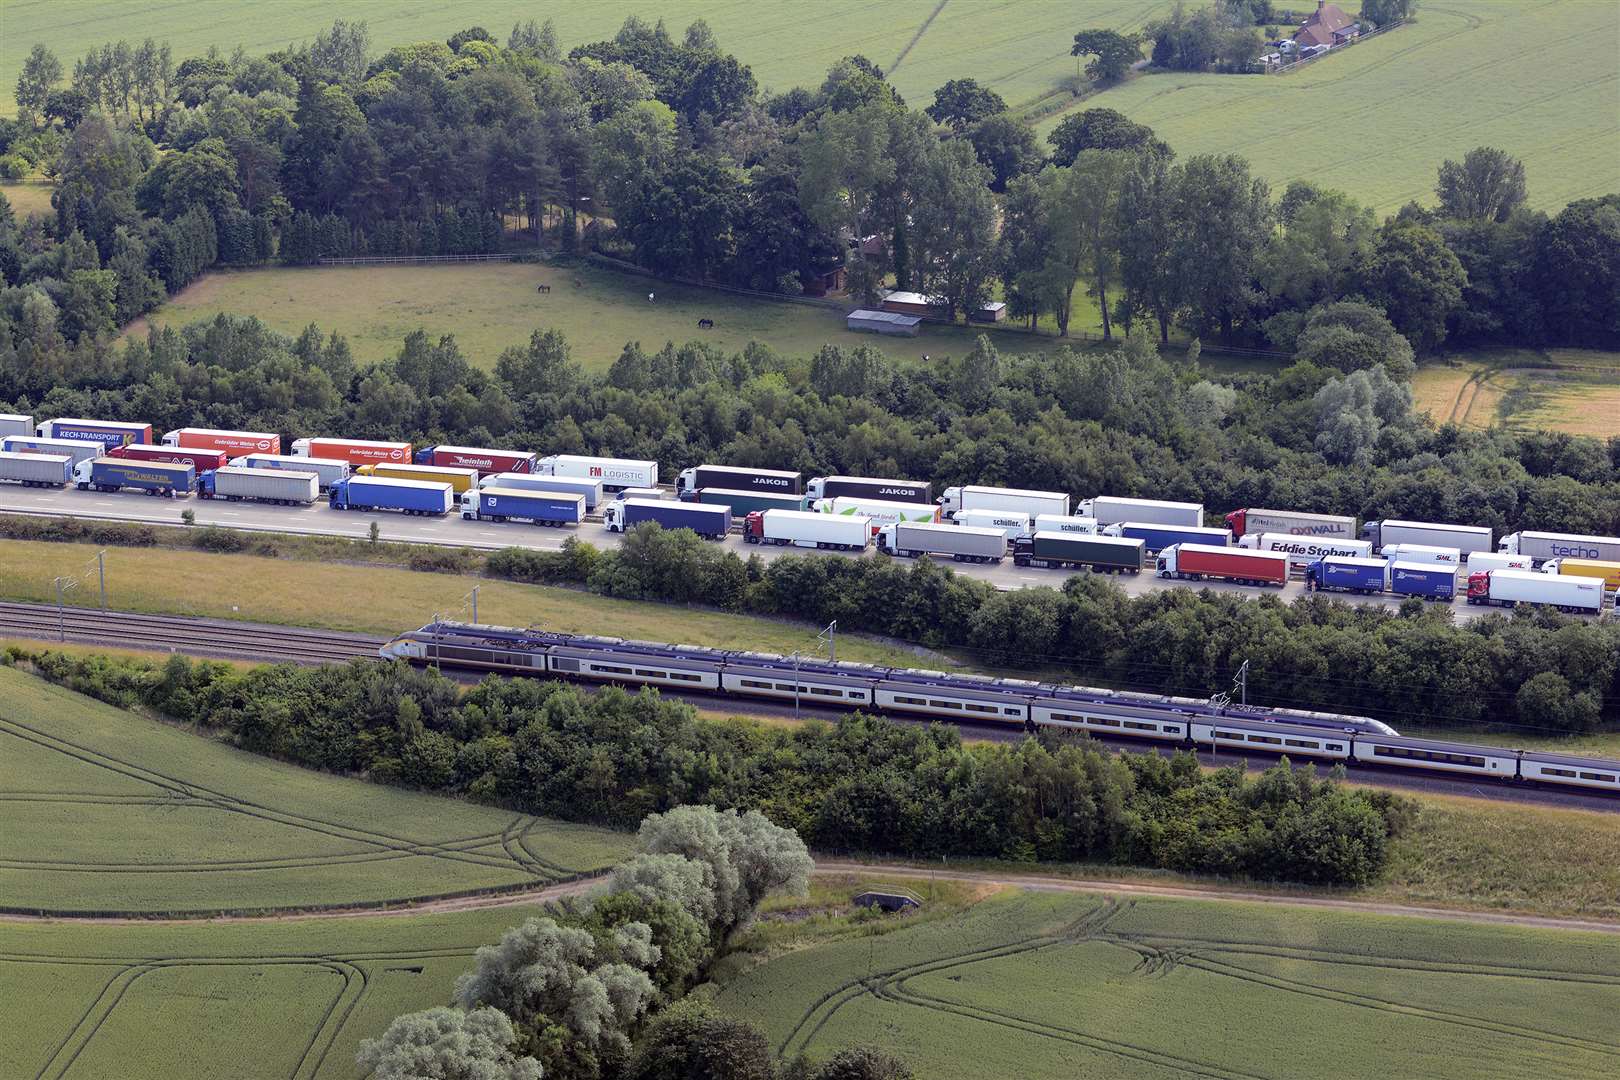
[969, 523]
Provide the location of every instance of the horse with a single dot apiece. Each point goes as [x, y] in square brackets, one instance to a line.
[705, 324]
[544, 289]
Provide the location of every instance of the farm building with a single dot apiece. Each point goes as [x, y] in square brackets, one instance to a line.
[888, 901]
[1326, 27]
[883, 322]
[912, 303]
[995, 311]
[824, 282]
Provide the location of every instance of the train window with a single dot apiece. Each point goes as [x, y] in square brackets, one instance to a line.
[1267, 739]
[1303, 743]
[946, 704]
[1604, 777]
[789, 687]
[898, 700]
[651, 674]
[1014, 712]
[1134, 726]
[1548, 770]
[1335, 746]
[1467, 760]
[1104, 721]
[980, 708]
[1172, 729]
[756, 684]
[858, 695]
[685, 676]
[1238, 735]
[564, 663]
[612, 669]
[825, 691]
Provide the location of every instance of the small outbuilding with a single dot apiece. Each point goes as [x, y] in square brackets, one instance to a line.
[883, 322]
[912, 303]
[991, 312]
[888, 901]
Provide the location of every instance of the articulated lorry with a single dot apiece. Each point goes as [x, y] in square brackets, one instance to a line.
[16, 424]
[712, 521]
[487, 462]
[1307, 549]
[1159, 537]
[231, 443]
[200, 460]
[36, 470]
[459, 479]
[329, 470]
[590, 489]
[868, 487]
[963, 543]
[977, 497]
[1199, 562]
[1606, 572]
[734, 478]
[1426, 581]
[1510, 588]
[1014, 523]
[1465, 538]
[165, 478]
[552, 509]
[1291, 523]
[1060, 550]
[108, 433]
[354, 451]
[802, 528]
[77, 449]
[1542, 546]
[1110, 511]
[412, 497]
[616, 474]
[1345, 573]
[743, 503]
[1066, 523]
[880, 513]
[242, 484]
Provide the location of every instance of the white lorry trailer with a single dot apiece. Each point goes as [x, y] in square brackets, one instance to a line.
[36, 470]
[977, 497]
[1109, 510]
[1465, 538]
[963, 543]
[805, 528]
[1014, 523]
[615, 473]
[1542, 546]
[1509, 588]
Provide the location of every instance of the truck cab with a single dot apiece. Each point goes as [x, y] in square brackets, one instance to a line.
[469, 504]
[613, 516]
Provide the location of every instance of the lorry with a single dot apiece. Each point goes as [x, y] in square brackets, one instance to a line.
[1467, 539]
[1495, 560]
[653, 493]
[233, 443]
[36, 470]
[1542, 546]
[1424, 580]
[1424, 555]
[16, 424]
[1509, 588]
[77, 449]
[330, 470]
[109, 433]
[1607, 572]
[1346, 573]
[1109, 510]
[1196, 562]
[709, 520]
[743, 503]
[867, 487]
[879, 512]
[413, 497]
[548, 508]
[354, 451]
[1014, 523]
[591, 489]
[1084, 526]
[805, 528]
[977, 497]
[165, 478]
[459, 479]
[964, 543]
[1104, 554]
[1159, 537]
[1307, 549]
[487, 462]
[1291, 523]
[201, 460]
[616, 474]
[737, 478]
[238, 483]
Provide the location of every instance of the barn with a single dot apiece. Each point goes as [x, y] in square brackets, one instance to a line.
[912, 303]
[995, 311]
[883, 322]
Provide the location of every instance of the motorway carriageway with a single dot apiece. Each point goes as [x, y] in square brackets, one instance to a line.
[261, 642]
[452, 531]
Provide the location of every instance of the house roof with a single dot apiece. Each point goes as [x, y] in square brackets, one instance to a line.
[868, 315]
[1319, 27]
[912, 298]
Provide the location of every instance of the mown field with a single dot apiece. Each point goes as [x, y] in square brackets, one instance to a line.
[28, 198]
[489, 307]
[380, 600]
[1040, 985]
[107, 811]
[1573, 390]
[1538, 80]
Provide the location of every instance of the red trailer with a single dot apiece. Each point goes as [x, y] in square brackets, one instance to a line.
[201, 460]
[486, 461]
[354, 451]
[234, 443]
[1197, 562]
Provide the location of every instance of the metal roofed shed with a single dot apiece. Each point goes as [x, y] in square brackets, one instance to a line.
[887, 900]
[912, 303]
[883, 322]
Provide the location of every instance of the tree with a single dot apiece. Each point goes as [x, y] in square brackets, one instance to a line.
[544, 367]
[855, 82]
[1114, 53]
[1324, 238]
[1148, 234]
[40, 72]
[953, 227]
[962, 103]
[1576, 273]
[1096, 129]
[1006, 146]
[864, 1063]
[691, 1041]
[1352, 411]
[1348, 335]
[1097, 178]
[447, 1044]
[1223, 216]
[1546, 701]
[681, 220]
[1487, 186]
[1416, 279]
[339, 54]
[1384, 12]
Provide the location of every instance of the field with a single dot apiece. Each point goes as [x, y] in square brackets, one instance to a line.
[1535, 79]
[378, 600]
[1573, 390]
[1059, 986]
[108, 811]
[28, 198]
[1020, 49]
[489, 307]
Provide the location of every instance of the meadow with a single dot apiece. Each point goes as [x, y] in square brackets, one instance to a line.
[29, 198]
[1537, 80]
[381, 600]
[1059, 986]
[490, 307]
[107, 811]
[1573, 390]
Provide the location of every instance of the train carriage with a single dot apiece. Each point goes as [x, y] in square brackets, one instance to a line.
[933, 693]
[1273, 738]
[1569, 770]
[641, 663]
[1487, 761]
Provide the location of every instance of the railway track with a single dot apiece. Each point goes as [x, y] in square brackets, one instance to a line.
[219, 638]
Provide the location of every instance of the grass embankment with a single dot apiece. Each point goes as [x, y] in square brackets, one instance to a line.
[1040, 985]
[108, 811]
[1389, 110]
[384, 600]
[1572, 390]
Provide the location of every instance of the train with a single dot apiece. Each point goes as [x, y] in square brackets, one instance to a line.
[1018, 704]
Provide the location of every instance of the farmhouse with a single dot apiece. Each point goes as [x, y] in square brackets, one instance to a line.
[883, 322]
[912, 303]
[1326, 27]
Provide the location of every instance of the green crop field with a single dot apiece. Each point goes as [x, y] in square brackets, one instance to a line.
[1573, 390]
[108, 811]
[1039, 986]
[1021, 49]
[489, 307]
[267, 1000]
[1539, 80]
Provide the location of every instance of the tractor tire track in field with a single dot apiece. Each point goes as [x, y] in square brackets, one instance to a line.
[921, 30]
